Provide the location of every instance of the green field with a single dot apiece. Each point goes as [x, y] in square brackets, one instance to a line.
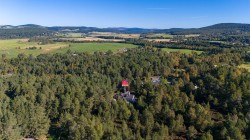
[94, 47]
[13, 47]
[245, 66]
[186, 51]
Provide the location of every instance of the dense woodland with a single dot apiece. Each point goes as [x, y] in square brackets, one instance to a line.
[66, 96]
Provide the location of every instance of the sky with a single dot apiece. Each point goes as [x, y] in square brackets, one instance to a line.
[124, 13]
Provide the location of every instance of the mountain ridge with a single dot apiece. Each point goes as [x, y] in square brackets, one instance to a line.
[220, 28]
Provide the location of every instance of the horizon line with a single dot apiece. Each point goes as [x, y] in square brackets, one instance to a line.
[118, 26]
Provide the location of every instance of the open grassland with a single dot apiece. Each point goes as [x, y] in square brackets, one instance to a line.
[186, 51]
[13, 47]
[94, 47]
[245, 66]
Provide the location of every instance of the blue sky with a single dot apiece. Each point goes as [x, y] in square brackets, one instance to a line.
[124, 13]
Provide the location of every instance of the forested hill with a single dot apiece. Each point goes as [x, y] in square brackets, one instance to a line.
[23, 31]
[29, 30]
[222, 28]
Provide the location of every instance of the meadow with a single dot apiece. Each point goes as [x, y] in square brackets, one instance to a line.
[13, 47]
[95, 47]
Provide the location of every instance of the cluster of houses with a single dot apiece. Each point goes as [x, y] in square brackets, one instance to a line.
[131, 98]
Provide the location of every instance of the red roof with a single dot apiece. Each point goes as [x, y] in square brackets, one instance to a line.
[124, 83]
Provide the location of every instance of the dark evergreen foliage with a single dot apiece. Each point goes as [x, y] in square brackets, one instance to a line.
[68, 96]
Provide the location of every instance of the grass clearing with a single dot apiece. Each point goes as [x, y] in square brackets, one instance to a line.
[186, 51]
[13, 47]
[245, 66]
[94, 47]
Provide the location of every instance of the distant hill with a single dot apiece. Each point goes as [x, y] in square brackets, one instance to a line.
[29, 30]
[222, 28]
[23, 31]
[30, 26]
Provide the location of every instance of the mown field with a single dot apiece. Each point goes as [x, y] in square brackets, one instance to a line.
[186, 51]
[94, 47]
[13, 47]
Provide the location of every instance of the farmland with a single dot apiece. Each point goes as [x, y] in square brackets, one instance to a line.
[95, 47]
[13, 47]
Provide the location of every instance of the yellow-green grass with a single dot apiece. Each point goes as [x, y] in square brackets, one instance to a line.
[95, 47]
[13, 47]
[186, 51]
[245, 66]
